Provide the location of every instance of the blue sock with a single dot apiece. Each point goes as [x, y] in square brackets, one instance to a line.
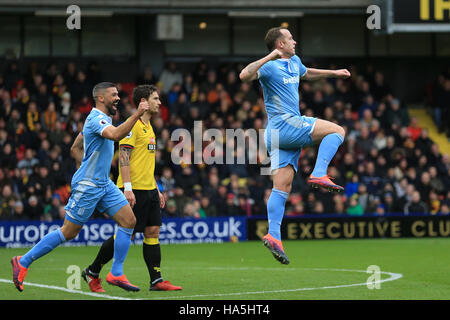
[121, 246]
[327, 149]
[49, 242]
[275, 212]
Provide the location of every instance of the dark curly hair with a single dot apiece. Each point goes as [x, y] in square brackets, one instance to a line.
[142, 91]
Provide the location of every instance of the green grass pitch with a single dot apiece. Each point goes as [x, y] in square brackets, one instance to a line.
[319, 270]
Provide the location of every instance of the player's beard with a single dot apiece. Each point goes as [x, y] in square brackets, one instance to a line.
[112, 108]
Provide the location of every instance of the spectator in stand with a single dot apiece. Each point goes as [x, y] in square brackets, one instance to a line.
[415, 205]
[34, 209]
[171, 210]
[414, 130]
[28, 162]
[209, 210]
[397, 116]
[147, 77]
[49, 117]
[169, 76]
[351, 187]
[190, 211]
[379, 87]
[354, 206]
[80, 88]
[7, 202]
[84, 106]
[33, 116]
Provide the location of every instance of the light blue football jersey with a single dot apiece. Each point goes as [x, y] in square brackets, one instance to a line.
[98, 151]
[280, 80]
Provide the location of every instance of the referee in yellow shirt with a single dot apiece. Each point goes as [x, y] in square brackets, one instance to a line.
[137, 180]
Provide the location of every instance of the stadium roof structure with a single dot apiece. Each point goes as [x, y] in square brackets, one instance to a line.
[185, 6]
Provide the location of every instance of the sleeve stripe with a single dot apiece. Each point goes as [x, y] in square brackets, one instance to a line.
[101, 132]
[127, 146]
[304, 74]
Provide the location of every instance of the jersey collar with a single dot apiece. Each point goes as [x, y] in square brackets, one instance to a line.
[101, 112]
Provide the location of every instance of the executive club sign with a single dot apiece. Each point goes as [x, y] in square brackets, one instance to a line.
[355, 227]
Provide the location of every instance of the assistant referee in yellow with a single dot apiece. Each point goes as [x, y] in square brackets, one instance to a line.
[137, 180]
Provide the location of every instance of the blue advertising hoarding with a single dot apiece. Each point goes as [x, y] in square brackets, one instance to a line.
[182, 230]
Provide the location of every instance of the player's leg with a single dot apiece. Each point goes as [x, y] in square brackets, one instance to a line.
[149, 220]
[152, 257]
[126, 221]
[49, 242]
[91, 274]
[330, 136]
[78, 210]
[282, 184]
[283, 164]
[105, 254]
[67, 232]
[116, 206]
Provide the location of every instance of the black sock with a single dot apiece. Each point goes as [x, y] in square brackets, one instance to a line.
[105, 254]
[152, 257]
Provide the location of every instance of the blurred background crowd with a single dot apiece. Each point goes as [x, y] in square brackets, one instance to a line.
[388, 163]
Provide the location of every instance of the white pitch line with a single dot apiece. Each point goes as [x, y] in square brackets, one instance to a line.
[93, 294]
[393, 276]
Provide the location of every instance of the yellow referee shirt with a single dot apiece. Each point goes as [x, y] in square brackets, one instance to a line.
[142, 160]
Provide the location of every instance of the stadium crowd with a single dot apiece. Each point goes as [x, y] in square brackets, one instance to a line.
[387, 162]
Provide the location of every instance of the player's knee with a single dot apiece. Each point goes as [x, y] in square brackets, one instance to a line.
[68, 233]
[340, 130]
[151, 232]
[283, 186]
[129, 222]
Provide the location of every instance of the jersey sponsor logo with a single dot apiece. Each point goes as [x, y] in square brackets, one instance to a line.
[291, 80]
[129, 134]
[103, 122]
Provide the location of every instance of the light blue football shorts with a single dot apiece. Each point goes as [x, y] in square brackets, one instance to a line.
[86, 197]
[285, 137]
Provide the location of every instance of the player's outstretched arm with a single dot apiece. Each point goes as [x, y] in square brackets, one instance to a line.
[120, 132]
[315, 74]
[77, 149]
[250, 72]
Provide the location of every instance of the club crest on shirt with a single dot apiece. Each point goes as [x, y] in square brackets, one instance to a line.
[152, 144]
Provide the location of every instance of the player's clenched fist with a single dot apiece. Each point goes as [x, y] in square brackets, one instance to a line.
[275, 54]
[143, 106]
[342, 73]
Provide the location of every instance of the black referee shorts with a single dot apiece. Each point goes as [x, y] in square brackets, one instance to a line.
[146, 209]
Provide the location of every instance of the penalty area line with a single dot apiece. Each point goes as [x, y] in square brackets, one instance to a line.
[92, 294]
